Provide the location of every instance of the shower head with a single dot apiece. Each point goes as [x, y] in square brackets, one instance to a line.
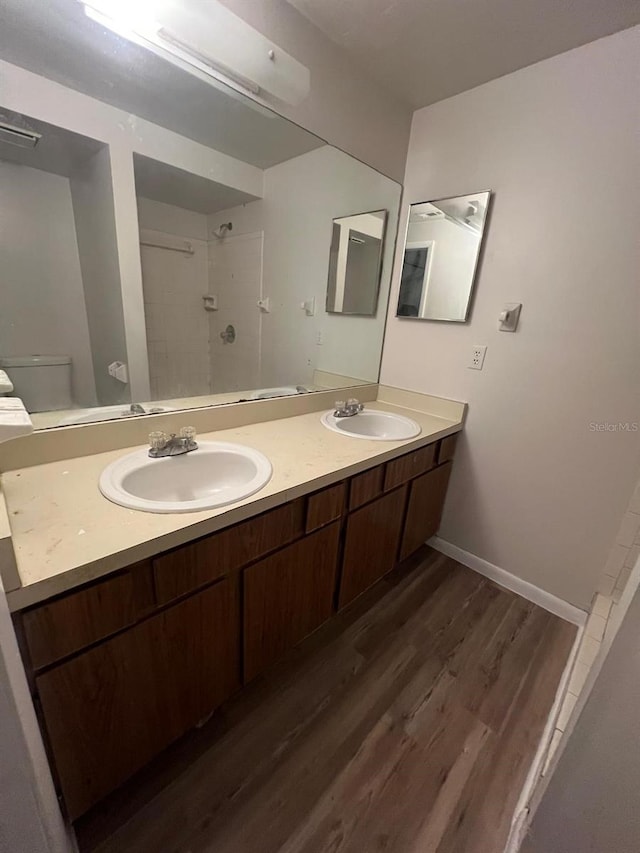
[223, 229]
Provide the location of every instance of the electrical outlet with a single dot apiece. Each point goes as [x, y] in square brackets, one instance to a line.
[477, 357]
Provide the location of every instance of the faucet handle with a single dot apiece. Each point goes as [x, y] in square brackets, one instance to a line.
[157, 439]
[188, 432]
[354, 404]
[339, 405]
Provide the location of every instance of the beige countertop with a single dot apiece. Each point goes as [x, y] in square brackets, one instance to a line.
[65, 533]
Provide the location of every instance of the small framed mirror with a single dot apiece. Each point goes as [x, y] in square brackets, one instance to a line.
[442, 247]
[355, 262]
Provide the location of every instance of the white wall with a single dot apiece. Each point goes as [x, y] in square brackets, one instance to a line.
[171, 219]
[591, 803]
[452, 261]
[535, 490]
[345, 106]
[43, 308]
[301, 199]
[92, 196]
[30, 818]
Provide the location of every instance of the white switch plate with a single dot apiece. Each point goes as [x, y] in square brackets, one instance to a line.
[509, 317]
[309, 307]
[477, 357]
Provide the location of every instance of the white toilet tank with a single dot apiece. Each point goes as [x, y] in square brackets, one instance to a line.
[43, 382]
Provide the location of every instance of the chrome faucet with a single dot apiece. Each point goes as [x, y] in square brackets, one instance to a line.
[136, 409]
[174, 445]
[349, 409]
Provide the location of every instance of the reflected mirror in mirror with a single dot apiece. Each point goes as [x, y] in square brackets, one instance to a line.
[443, 244]
[164, 264]
[354, 263]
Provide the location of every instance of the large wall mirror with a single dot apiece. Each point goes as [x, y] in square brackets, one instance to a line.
[152, 265]
[443, 244]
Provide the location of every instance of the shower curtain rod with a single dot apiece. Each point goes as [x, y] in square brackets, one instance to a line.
[186, 248]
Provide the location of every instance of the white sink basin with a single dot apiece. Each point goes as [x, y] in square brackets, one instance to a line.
[373, 425]
[216, 474]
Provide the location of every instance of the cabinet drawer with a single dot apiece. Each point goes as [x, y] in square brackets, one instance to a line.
[76, 620]
[447, 448]
[325, 506]
[200, 563]
[365, 487]
[287, 596]
[407, 467]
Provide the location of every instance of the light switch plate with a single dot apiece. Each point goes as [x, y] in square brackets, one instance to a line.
[309, 306]
[509, 317]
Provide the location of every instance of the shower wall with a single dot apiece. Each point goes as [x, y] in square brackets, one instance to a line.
[174, 283]
[235, 279]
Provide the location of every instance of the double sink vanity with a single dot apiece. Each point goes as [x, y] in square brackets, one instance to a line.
[135, 625]
[193, 502]
[223, 473]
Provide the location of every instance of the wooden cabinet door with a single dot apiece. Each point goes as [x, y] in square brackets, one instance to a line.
[110, 710]
[191, 566]
[424, 510]
[287, 596]
[371, 544]
[70, 622]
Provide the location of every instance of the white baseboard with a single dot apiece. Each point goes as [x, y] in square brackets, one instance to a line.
[527, 590]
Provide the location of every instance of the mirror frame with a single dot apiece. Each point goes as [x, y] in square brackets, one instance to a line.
[476, 265]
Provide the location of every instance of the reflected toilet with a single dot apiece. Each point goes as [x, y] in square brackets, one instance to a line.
[43, 382]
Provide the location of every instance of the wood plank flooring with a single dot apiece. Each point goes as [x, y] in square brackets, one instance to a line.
[406, 725]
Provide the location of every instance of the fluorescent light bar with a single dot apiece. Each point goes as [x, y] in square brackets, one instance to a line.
[209, 62]
[205, 40]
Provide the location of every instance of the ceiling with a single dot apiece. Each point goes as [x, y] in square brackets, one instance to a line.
[55, 39]
[165, 183]
[428, 50]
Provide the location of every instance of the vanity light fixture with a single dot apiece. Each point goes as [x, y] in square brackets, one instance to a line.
[211, 43]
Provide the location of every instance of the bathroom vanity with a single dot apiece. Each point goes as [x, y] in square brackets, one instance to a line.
[125, 664]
